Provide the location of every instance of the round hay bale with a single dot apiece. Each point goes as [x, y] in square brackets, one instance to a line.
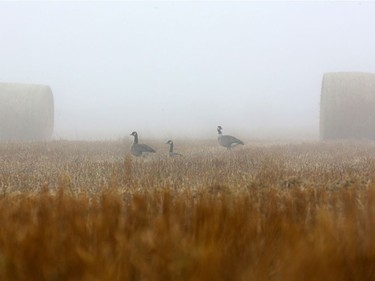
[26, 112]
[347, 106]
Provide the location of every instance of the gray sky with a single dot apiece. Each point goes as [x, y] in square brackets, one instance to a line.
[179, 69]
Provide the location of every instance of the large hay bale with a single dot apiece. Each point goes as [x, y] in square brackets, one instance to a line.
[26, 112]
[347, 106]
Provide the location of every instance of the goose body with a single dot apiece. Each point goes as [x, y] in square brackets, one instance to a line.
[139, 149]
[171, 153]
[226, 140]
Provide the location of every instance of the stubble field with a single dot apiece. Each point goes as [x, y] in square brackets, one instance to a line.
[266, 211]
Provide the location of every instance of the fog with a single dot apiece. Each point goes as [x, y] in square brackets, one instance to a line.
[179, 69]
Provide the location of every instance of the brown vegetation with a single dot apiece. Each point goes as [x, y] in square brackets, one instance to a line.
[89, 211]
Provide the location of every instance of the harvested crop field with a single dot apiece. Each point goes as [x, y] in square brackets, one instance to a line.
[266, 211]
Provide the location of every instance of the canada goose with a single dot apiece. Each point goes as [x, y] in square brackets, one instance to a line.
[138, 149]
[171, 153]
[226, 140]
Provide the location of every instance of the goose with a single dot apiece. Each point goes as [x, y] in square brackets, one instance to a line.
[171, 153]
[139, 149]
[226, 140]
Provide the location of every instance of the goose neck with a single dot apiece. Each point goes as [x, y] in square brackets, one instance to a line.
[136, 139]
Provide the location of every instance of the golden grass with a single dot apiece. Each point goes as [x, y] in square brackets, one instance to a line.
[89, 211]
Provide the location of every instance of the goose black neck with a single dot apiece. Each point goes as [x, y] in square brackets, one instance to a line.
[136, 138]
[219, 131]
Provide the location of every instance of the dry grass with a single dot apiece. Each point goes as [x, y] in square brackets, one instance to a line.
[89, 211]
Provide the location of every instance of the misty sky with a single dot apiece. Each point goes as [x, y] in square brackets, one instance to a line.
[179, 69]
